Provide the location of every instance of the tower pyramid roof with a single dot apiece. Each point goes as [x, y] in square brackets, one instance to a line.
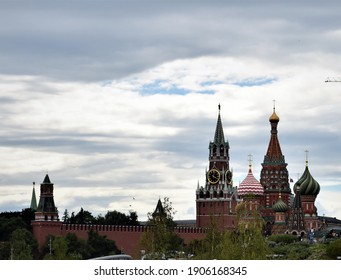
[219, 132]
[159, 210]
[47, 179]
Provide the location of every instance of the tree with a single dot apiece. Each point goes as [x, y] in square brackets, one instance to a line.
[8, 225]
[110, 218]
[84, 217]
[100, 245]
[27, 215]
[23, 245]
[59, 248]
[209, 247]
[5, 250]
[118, 218]
[245, 242]
[160, 240]
[77, 248]
[66, 217]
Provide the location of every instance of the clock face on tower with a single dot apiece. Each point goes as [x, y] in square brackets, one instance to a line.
[228, 176]
[213, 176]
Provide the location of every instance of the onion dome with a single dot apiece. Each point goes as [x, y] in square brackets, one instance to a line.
[307, 185]
[250, 185]
[280, 206]
[274, 117]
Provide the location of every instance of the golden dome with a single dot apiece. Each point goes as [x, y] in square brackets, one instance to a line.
[274, 117]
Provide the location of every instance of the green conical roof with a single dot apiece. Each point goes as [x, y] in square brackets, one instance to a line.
[33, 205]
[219, 138]
[219, 132]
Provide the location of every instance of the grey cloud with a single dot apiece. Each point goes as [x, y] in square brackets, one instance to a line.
[87, 40]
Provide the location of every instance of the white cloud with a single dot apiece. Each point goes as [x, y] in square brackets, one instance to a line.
[116, 111]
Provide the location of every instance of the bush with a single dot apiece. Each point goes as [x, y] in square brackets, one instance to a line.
[334, 249]
[283, 238]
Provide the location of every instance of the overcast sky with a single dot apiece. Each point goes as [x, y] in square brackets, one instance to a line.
[118, 100]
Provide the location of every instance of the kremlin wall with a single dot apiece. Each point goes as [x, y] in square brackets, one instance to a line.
[217, 200]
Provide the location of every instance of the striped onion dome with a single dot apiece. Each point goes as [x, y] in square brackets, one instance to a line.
[280, 206]
[307, 185]
[250, 185]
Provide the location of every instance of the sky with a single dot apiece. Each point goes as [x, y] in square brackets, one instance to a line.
[118, 100]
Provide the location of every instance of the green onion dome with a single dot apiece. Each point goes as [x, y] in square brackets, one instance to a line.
[307, 185]
[280, 206]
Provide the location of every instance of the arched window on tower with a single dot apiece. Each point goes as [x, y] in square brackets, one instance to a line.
[221, 150]
[214, 150]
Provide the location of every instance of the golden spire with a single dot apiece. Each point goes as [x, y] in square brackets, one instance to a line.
[274, 116]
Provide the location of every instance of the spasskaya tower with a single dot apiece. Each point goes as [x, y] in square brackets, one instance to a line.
[216, 200]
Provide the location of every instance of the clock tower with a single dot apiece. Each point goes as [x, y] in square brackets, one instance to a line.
[216, 200]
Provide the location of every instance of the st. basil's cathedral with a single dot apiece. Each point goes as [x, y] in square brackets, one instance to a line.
[283, 211]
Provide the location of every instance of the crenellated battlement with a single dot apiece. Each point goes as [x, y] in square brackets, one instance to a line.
[124, 228]
[108, 228]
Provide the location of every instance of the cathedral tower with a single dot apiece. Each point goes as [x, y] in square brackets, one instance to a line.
[216, 201]
[274, 174]
[308, 189]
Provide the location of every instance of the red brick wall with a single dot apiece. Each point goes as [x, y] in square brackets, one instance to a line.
[127, 238]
